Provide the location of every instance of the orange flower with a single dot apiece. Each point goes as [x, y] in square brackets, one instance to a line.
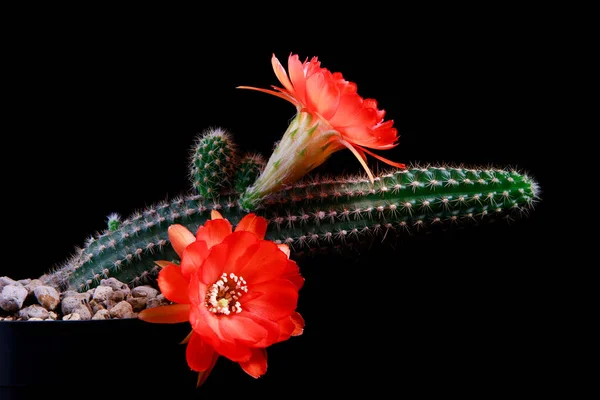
[331, 116]
[238, 291]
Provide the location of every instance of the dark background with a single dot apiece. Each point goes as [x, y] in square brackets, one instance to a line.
[100, 118]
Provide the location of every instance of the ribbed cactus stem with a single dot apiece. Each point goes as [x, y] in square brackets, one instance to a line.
[250, 167]
[338, 210]
[323, 213]
[212, 162]
[128, 253]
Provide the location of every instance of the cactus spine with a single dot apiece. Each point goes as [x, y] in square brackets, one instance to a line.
[315, 214]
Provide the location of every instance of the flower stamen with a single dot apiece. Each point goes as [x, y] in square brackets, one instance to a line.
[222, 298]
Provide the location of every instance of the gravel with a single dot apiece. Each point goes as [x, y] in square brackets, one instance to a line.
[30, 300]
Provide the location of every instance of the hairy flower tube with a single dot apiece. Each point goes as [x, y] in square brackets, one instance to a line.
[238, 291]
[331, 116]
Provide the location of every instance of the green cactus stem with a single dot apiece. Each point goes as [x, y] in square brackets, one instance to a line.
[309, 215]
[251, 166]
[212, 162]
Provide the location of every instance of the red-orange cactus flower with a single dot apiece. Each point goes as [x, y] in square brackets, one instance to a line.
[331, 116]
[238, 291]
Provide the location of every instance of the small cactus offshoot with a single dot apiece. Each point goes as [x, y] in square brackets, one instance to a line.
[212, 162]
[251, 166]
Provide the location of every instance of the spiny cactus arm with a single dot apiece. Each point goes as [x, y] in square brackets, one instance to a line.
[433, 187]
[318, 214]
[212, 162]
[325, 213]
[250, 167]
[129, 251]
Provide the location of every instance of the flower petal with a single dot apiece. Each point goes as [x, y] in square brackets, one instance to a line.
[180, 237]
[278, 300]
[291, 326]
[173, 285]
[187, 338]
[214, 214]
[358, 155]
[193, 257]
[253, 223]
[281, 74]
[196, 294]
[212, 268]
[236, 327]
[214, 231]
[203, 375]
[322, 94]
[358, 134]
[385, 160]
[298, 323]
[285, 248]
[283, 95]
[352, 111]
[261, 262]
[171, 314]
[238, 243]
[198, 353]
[206, 324]
[296, 72]
[292, 273]
[273, 330]
[163, 263]
[256, 366]
[234, 351]
[286, 327]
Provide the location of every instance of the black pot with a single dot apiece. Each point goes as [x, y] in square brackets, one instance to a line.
[131, 358]
[97, 356]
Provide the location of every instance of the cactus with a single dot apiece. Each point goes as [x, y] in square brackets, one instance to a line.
[212, 162]
[308, 215]
[251, 165]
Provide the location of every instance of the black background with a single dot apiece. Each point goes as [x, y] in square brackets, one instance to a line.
[100, 117]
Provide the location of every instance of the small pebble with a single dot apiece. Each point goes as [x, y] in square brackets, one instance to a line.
[101, 314]
[84, 312]
[33, 311]
[122, 310]
[158, 301]
[102, 293]
[97, 306]
[144, 291]
[32, 285]
[5, 281]
[116, 285]
[138, 303]
[69, 304]
[71, 317]
[12, 297]
[47, 296]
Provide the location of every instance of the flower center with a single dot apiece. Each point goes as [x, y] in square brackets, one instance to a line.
[223, 296]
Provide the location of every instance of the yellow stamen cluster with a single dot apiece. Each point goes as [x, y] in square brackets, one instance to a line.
[222, 298]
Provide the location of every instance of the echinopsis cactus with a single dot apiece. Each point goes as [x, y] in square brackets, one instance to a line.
[314, 215]
[212, 162]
